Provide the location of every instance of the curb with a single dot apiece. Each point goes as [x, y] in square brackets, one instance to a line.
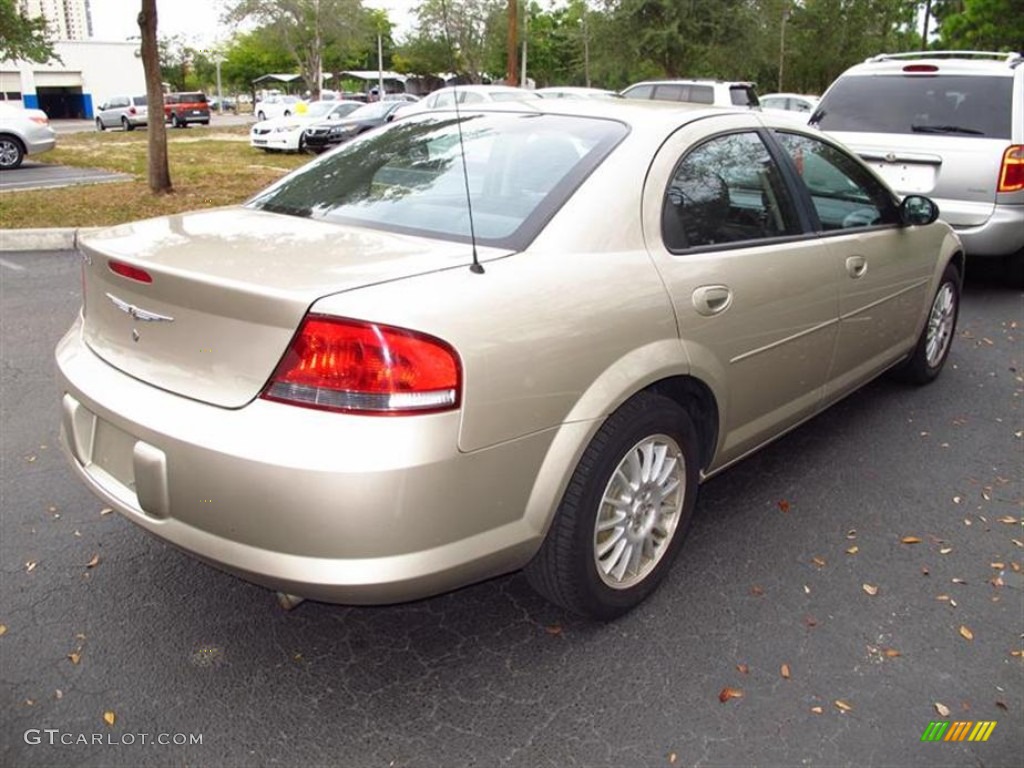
[61, 239]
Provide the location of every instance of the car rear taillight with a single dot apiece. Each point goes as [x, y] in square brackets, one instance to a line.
[40, 119]
[356, 367]
[131, 110]
[1011, 173]
[127, 270]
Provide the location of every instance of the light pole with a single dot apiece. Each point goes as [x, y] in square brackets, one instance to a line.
[782, 45]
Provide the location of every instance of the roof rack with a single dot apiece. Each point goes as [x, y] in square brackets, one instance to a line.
[1009, 58]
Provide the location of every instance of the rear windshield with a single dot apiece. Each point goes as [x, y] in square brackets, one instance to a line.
[191, 98]
[140, 101]
[408, 177]
[742, 96]
[954, 105]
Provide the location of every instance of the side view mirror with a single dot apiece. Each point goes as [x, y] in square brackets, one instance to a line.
[918, 210]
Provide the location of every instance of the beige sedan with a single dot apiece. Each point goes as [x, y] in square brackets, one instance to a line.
[475, 342]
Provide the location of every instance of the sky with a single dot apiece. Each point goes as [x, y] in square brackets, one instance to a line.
[198, 21]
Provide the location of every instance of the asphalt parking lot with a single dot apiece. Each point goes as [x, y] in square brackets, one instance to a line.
[840, 590]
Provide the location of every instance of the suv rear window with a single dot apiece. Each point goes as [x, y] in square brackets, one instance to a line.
[953, 105]
[192, 98]
[742, 96]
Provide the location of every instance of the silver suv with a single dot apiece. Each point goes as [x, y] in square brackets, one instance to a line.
[128, 112]
[947, 124]
[718, 93]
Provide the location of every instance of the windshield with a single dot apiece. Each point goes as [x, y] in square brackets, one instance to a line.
[408, 177]
[320, 108]
[955, 105]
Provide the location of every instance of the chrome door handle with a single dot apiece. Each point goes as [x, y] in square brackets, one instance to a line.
[712, 299]
[856, 266]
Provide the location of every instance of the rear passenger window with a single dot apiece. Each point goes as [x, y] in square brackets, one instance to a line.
[702, 94]
[727, 190]
[671, 92]
[845, 195]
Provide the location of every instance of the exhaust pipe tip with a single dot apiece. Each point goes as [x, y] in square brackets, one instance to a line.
[289, 602]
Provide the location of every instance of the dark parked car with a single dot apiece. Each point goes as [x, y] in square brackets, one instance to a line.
[323, 136]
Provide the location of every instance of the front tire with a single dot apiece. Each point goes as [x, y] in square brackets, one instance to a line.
[99, 125]
[932, 350]
[625, 512]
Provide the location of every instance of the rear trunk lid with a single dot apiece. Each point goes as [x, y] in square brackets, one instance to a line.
[227, 290]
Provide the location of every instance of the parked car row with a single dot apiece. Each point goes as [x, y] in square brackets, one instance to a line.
[131, 112]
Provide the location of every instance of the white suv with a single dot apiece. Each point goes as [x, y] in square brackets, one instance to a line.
[947, 124]
[718, 93]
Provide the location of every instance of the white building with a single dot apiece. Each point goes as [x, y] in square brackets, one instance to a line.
[67, 19]
[90, 74]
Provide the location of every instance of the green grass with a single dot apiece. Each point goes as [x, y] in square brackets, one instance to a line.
[210, 167]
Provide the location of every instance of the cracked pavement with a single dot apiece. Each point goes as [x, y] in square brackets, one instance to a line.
[492, 675]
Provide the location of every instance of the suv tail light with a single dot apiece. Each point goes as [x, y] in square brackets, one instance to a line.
[345, 365]
[131, 110]
[1011, 173]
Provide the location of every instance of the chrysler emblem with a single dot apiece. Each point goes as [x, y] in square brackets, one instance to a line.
[137, 313]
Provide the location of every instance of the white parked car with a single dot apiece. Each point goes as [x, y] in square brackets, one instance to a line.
[464, 94]
[575, 92]
[23, 132]
[790, 102]
[278, 106]
[285, 134]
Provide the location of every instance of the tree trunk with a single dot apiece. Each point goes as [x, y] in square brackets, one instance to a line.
[159, 172]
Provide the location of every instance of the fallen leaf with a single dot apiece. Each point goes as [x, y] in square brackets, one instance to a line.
[852, 550]
[998, 566]
[966, 633]
[959, 581]
[942, 709]
[1018, 653]
[1002, 706]
[807, 590]
[784, 671]
[818, 561]
[672, 759]
[30, 566]
[109, 717]
[843, 706]
[851, 534]
[810, 621]
[75, 656]
[3, 630]
[910, 540]
[1015, 567]
[757, 591]
[94, 562]
[1008, 519]
[742, 668]
[945, 550]
[871, 589]
[957, 499]
[944, 598]
[29, 703]
[997, 582]
[891, 653]
[58, 694]
[106, 511]
[30, 459]
[784, 505]
[730, 693]
[967, 521]
[1018, 542]
[952, 603]
[553, 629]
[924, 570]
[817, 710]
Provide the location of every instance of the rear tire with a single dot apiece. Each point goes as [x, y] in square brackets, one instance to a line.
[11, 153]
[625, 512]
[932, 350]
[126, 124]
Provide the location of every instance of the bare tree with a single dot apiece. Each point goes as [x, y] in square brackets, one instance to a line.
[159, 171]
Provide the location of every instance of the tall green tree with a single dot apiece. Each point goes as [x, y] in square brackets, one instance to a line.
[306, 28]
[23, 38]
[253, 55]
[453, 34]
[981, 25]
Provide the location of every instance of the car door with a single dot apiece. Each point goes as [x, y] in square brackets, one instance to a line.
[884, 269]
[754, 290]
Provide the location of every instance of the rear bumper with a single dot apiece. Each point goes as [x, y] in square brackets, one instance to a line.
[35, 145]
[1001, 235]
[333, 507]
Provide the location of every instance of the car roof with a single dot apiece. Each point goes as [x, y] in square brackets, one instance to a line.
[945, 62]
[694, 81]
